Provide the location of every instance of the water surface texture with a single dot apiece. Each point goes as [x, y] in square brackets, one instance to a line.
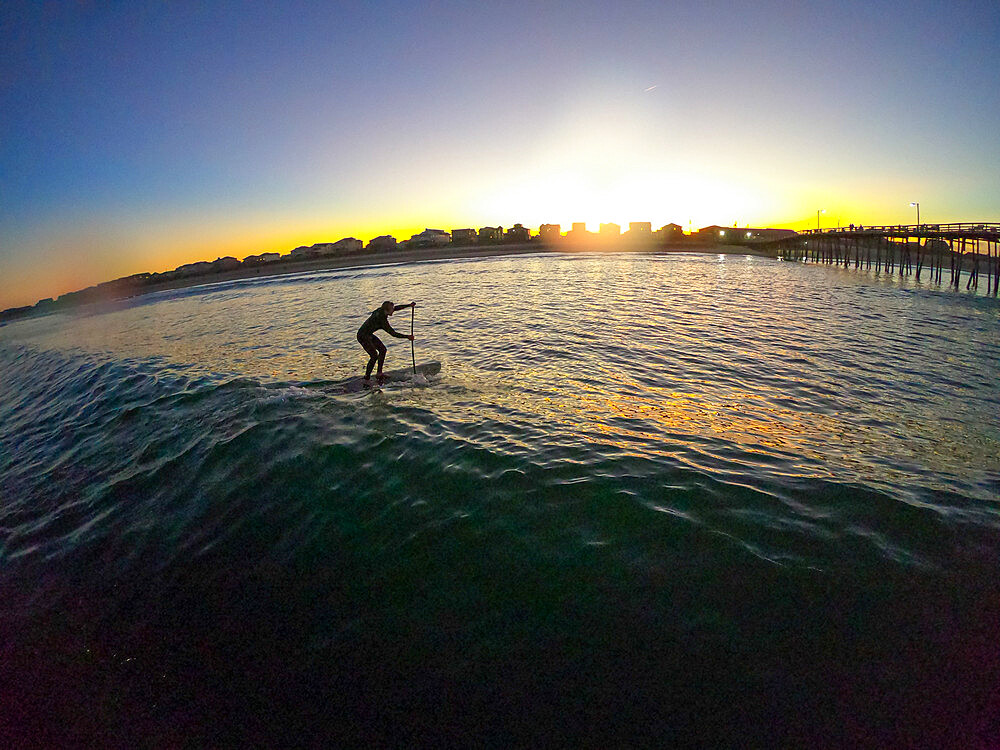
[650, 499]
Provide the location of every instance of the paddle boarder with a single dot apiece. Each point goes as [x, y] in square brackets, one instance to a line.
[379, 319]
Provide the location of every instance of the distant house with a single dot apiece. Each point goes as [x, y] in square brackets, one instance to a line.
[669, 233]
[430, 238]
[192, 269]
[382, 244]
[550, 232]
[125, 281]
[256, 260]
[490, 234]
[225, 264]
[578, 234]
[463, 236]
[610, 230]
[518, 233]
[639, 234]
[80, 295]
[347, 245]
[340, 247]
[714, 234]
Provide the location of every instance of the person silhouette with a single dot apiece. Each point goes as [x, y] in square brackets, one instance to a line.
[379, 319]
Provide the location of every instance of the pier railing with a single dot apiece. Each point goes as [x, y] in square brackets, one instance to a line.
[981, 230]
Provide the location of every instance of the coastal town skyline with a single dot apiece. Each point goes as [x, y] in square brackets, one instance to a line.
[637, 235]
[56, 282]
[146, 136]
[600, 236]
[967, 245]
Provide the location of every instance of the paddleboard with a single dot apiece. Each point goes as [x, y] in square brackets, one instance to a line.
[392, 377]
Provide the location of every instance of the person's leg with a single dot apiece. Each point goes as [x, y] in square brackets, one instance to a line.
[381, 353]
[372, 350]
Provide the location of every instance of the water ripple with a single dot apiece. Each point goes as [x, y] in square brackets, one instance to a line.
[603, 428]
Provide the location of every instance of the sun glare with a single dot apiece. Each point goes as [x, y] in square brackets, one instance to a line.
[575, 195]
[615, 166]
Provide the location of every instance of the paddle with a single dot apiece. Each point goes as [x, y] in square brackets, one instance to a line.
[413, 357]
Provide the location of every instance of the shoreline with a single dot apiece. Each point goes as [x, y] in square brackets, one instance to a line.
[368, 260]
[333, 263]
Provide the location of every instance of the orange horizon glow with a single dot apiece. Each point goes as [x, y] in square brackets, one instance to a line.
[99, 254]
[104, 256]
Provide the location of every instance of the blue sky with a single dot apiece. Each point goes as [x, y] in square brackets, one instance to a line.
[137, 136]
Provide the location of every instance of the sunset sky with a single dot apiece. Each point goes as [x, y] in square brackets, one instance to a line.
[138, 136]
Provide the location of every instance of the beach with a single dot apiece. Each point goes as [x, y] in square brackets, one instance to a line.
[367, 259]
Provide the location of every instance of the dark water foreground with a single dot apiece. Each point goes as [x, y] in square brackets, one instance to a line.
[763, 512]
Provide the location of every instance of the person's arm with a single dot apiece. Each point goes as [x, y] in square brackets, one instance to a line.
[393, 332]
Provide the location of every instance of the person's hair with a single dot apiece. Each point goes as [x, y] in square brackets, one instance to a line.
[387, 306]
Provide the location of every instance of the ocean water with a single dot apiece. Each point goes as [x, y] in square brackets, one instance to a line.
[650, 500]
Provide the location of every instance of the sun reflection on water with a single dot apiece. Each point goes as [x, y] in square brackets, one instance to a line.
[729, 361]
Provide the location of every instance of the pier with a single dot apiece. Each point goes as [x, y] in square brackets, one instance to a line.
[904, 249]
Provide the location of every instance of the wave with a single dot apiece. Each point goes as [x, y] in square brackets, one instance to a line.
[118, 464]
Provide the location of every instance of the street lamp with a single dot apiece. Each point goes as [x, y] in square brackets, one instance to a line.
[914, 203]
[818, 212]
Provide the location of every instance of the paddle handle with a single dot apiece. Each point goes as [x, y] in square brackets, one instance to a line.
[413, 357]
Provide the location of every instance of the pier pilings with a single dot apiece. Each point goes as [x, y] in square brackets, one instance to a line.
[970, 252]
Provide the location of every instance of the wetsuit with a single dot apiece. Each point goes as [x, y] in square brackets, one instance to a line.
[367, 338]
